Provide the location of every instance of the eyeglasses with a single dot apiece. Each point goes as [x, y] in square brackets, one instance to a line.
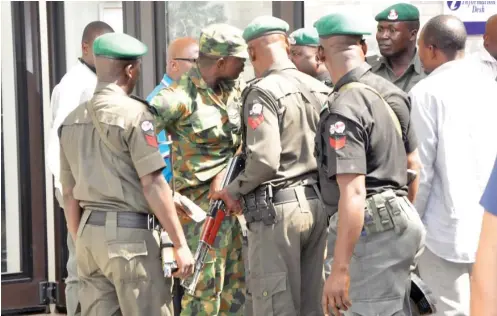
[192, 60]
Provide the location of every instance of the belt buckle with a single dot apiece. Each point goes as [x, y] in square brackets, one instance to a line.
[150, 221]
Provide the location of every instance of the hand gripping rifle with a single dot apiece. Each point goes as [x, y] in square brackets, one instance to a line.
[213, 222]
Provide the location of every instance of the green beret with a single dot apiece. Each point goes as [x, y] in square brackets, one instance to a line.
[263, 25]
[118, 46]
[222, 40]
[305, 37]
[399, 12]
[341, 24]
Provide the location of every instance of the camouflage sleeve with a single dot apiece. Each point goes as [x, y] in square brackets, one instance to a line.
[143, 146]
[263, 145]
[170, 109]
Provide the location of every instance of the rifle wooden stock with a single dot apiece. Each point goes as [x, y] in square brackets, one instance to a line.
[213, 222]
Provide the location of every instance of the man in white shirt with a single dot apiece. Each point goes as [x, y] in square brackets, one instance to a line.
[456, 129]
[77, 86]
[487, 58]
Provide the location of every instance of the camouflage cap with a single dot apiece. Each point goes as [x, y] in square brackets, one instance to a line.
[221, 40]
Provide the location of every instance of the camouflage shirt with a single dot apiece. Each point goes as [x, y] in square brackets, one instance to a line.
[205, 126]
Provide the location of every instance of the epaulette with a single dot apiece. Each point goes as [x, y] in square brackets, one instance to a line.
[324, 107]
[249, 85]
[149, 107]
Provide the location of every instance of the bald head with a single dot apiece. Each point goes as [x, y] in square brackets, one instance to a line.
[183, 47]
[124, 73]
[92, 30]
[265, 50]
[181, 55]
[445, 33]
[342, 53]
[490, 36]
[95, 29]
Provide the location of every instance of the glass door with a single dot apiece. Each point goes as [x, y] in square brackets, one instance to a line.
[24, 254]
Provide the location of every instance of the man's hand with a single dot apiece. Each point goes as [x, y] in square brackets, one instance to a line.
[232, 206]
[180, 210]
[185, 261]
[336, 291]
[216, 183]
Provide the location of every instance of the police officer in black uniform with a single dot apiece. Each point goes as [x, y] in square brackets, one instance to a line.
[376, 234]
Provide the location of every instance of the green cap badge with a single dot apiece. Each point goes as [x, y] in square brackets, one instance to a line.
[399, 12]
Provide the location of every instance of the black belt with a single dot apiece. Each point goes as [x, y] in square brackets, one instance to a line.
[124, 219]
[289, 195]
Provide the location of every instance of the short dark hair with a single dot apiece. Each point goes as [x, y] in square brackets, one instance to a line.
[446, 33]
[95, 28]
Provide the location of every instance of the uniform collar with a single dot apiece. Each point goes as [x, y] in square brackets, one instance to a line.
[197, 79]
[278, 66]
[324, 77]
[109, 88]
[415, 63]
[166, 81]
[353, 76]
[93, 69]
[200, 83]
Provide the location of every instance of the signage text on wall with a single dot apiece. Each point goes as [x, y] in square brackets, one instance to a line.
[474, 14]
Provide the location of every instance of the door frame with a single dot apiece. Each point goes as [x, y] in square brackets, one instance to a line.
[31, 167]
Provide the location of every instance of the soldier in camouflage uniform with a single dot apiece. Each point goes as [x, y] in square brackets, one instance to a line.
[202, 113]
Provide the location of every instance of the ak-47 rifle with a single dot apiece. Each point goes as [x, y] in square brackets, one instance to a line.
[213, 222]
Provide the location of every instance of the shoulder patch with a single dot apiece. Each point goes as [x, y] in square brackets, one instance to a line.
[337, 136]
[256, 117]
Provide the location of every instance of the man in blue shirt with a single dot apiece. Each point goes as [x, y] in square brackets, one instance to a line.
[484, 278]
[181, 55]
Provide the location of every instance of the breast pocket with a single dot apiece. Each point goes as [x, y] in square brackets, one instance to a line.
[206, 126]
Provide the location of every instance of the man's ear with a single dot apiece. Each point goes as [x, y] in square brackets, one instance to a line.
[128, 70]
[251, 53]
[485, 40]
[85, 48]
[174, 65]
[364, 47]
[434, 53]
[221, 63]
[413, 35]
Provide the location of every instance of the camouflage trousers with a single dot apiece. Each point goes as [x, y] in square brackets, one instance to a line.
[221, 286]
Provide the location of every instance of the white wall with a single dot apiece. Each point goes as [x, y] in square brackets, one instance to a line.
[79, 13]
[315, 9]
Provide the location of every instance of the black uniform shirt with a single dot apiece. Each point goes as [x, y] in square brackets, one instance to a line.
[357, 135]
[395, 97]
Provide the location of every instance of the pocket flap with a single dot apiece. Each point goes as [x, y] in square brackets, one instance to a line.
[269, 285]
[127, 250]
[205, 119]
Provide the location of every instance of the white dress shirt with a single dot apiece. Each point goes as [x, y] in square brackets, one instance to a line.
[76, 87]
[487, 63]
[454, 112]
